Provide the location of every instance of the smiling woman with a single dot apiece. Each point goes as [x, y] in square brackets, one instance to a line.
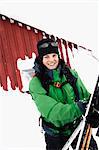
[59, 95]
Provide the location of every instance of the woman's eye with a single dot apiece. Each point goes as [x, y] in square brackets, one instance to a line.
[45, 56]
[54, 55]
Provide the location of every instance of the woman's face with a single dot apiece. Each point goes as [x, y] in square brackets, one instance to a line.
[51, 61]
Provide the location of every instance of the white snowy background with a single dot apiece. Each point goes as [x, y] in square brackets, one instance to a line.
[75, 21]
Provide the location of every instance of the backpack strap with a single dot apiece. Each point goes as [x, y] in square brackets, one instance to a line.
[71, 79]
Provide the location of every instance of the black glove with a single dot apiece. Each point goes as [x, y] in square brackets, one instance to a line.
[82, 105]
[93, 119]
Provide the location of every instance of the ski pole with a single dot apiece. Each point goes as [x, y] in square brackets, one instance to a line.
[88, 107]
[73, 136]
[80, 128]
[89, 138]
[85, 139]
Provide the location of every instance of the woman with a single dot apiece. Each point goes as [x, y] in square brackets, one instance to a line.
[58, 93]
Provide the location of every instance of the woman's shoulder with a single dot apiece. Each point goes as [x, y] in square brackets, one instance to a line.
[36, 86]
[65, 66]
[35, 80]
[74, 72]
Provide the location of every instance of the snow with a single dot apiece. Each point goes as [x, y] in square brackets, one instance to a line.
[19, 125]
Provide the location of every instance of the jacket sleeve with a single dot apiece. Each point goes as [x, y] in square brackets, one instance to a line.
[55, 112]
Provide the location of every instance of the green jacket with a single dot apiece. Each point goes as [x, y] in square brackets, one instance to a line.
[59, 106]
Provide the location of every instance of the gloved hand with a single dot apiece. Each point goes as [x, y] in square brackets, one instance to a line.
[93, 119]
[82, 105]
[95, 99]
[97, 134]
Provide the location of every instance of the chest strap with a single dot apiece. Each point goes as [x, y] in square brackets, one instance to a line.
[58, 84]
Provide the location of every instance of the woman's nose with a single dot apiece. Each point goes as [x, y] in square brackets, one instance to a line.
[51, 60]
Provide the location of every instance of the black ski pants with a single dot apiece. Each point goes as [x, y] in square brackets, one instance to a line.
[57, 143]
